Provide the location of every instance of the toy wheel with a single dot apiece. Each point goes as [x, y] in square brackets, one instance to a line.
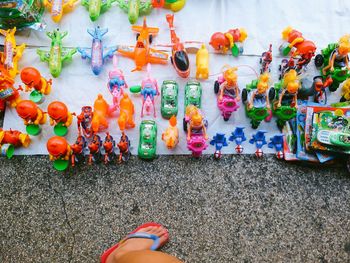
[184, 123]
[255, 124]
[137, 36]
[260, 60]
[244, 95]
[319, 59]
[216, 87]
[280, 124]
[171, 60]
[342, 99]
[272, 93]
[280, 67]
[150, 38]
[226, 118]
[333, 87]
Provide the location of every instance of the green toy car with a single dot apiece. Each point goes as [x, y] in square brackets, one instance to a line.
[193, 96]
[148, 140]
[169, 98]
[340, 73]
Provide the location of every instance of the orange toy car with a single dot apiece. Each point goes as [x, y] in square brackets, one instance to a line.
[32, 116]
[126, 117]
[60, 117]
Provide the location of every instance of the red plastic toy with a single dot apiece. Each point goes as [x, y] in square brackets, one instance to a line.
[78, 150]
[32, 116]
[60, 117]
[59, 152]
[95, 149]
[11, 139]
[124, 148]
[84, 120]
[108, 146]
[222, 42]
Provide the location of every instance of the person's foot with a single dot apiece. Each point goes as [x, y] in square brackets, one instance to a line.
[137, 244]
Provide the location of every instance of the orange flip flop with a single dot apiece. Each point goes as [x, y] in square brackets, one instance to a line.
[156, 243]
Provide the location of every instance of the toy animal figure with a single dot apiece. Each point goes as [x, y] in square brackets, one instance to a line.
[108, 146]
[32, 116]
[277, 143]
[95, 149]
[124, 148]
[141, 53]
[202, 63]
[173, 5]
[12, 53]
[14, 137]
[239, 137]
[179, 56]
[135, 8]
[101, 112]
[126, 115]
[259, 140]
[96, 55]
[60, 117]
[265, 60]
[33, 80]
[171, 134]
[7, 91]
[97, 7]
[78, 150]
[219, 140]
[59, 152]
[84, 120]
[57, 54]
[58, 7]
[222, 42]
[228, 92]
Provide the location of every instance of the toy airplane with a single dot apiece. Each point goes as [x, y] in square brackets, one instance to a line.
[97, 7]
[96, 55]
[12, 53]
[57, 54]
[142, 53]
[58, 7]
[135, 8]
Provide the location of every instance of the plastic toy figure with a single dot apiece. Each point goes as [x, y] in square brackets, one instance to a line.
[108, 146]
[142, 54]
[124, 148]
[171, 135]
[7, 91]
[97, 7]
[193, 96]
[148, 89]
[256, 100]
[78, 150]
[11, 139]
[38, 85]
[179, 56]
[57, 54]
[95, 149]
[219, 140]
[196, 131]
[173, 5]
[334, 62]
[12, 53]
[148, 140]
[126, 115]
[239, 137]
[59, 152]
[285, 98]
[265, 60]
[228, 92]
[259, 140]
[169, 98]
[299, 48]
[319, 86]
[32, 116]
[96, 55]
[202, 63]
[58, 7]
[135, 8]
[277, 143]
[231, 40]
[101, 112]
[60, 117]
[84, 120]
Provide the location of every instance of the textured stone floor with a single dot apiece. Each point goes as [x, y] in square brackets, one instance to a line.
[239, 209]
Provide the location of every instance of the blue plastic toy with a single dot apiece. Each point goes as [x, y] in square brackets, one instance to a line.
[239, 137]
[219, 140]
[96, 56]
[259, 140]
[277, 143]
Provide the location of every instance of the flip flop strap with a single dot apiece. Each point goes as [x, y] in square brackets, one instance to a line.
[155, 239]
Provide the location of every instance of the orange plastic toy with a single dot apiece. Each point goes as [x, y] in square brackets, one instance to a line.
[222, 42]
[32, 78]
[59, 152]
[171, 134]
[127, 111]
[16, 138]
[142, 54]
[7, 90]
[101, 111]
[60, 117]
[32, 116]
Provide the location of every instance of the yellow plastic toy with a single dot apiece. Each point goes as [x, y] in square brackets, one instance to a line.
[59, 7]
[12, 53]
[291, 85]
[346, 91]
[202, 63]
[171, 134]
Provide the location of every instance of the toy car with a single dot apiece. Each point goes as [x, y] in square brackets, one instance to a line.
[169, 98]
[148, 140]
[193, 96]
